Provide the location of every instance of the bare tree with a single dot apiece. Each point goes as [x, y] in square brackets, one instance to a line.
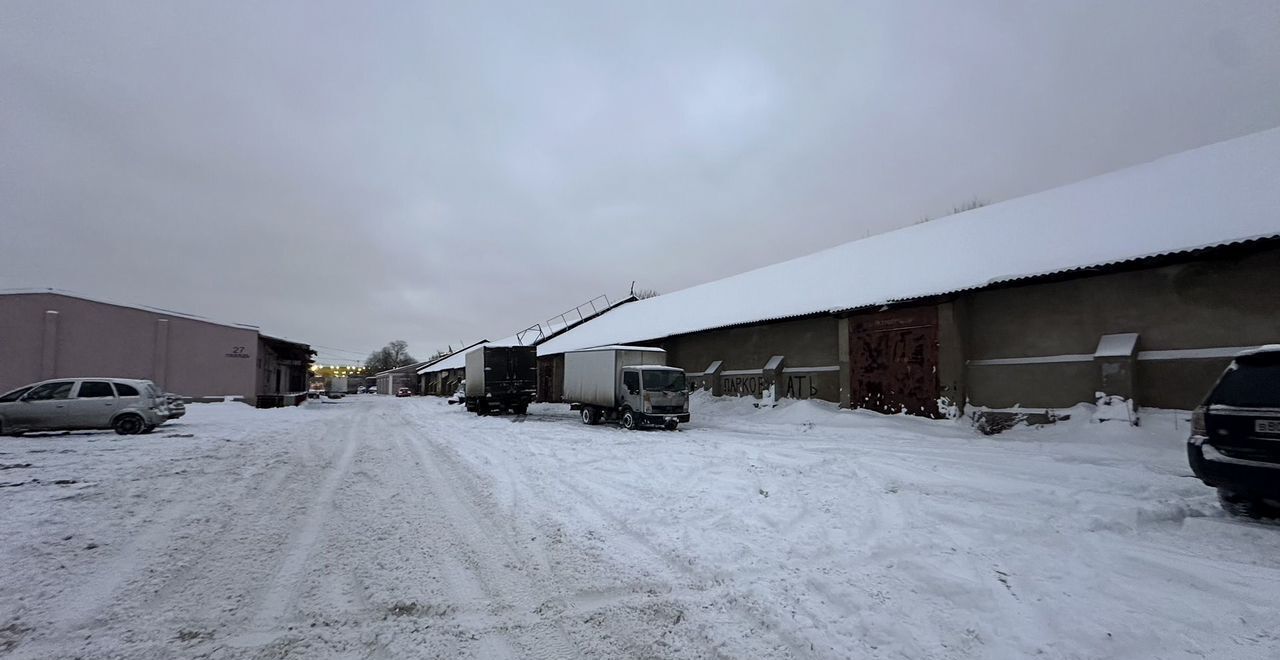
[975, 203]
[394, 354]
[970, 205]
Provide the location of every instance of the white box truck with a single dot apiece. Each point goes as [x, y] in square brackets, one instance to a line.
[630, 384]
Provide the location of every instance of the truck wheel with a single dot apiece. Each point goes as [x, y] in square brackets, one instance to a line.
[522, 409]
[629, 420]
[672, 425]
[589, 416]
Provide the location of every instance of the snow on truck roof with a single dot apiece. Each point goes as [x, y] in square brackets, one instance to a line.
[1221, 194]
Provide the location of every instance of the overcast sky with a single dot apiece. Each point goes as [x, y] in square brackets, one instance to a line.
[349, 173]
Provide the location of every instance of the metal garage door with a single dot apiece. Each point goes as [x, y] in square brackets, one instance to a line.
[893, 357]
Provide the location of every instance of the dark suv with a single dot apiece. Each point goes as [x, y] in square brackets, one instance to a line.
[1235, 435]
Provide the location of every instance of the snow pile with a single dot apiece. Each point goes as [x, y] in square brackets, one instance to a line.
[1112, 408]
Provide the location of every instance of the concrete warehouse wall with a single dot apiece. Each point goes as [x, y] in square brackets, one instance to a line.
[1222, 301]
[441, 383]
[48, 335]
[807, 342]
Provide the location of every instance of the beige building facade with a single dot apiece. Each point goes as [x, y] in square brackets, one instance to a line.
[59, 335]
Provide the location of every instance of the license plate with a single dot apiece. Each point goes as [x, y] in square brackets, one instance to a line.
[1266, 426]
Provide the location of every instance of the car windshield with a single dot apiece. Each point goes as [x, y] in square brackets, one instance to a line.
[663, 381]
[51, 391]
[14, 395]
[1249, 386]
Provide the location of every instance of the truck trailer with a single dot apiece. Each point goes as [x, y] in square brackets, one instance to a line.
[630, 384]
[501, 378]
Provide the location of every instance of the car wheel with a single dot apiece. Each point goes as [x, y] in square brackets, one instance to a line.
[629, 420]
[521, 410]
[1243, 506]
[128, 425]
[588, 415]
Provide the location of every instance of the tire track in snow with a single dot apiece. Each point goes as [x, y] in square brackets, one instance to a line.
[282, 593]
[615, 613]
[157, 541]
[497, 564]
[703, 590]
[473, 601]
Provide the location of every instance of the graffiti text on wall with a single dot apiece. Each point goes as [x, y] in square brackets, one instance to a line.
[799, 386]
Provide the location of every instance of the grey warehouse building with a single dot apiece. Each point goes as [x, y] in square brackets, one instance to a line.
[53, 334]
[1141, 284]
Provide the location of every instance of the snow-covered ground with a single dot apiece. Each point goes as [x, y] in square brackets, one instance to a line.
[382, 527]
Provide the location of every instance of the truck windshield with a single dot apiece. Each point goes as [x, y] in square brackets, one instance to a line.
[664, 381]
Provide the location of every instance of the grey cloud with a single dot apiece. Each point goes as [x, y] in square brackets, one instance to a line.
[349, 173]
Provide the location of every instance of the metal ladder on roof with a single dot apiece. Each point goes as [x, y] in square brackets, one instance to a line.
[538, 332]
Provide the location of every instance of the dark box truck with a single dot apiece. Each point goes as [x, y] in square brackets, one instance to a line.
[501, 378]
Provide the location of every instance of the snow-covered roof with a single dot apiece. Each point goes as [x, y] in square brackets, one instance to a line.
[403, 369]
[1217, 195]
[430, 365]
[459, 360]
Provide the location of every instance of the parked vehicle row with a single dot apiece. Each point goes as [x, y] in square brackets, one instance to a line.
[629, 384]
[128, 406]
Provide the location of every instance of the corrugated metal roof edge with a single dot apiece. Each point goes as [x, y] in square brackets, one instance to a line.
[1262, 238]
[287, 341]
[66, 293]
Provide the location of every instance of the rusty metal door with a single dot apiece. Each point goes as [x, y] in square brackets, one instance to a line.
[546, 379]
[893, 359]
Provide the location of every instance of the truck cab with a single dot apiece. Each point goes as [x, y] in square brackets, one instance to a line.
[653, 395]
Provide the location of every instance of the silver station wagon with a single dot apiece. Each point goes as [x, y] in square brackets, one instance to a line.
[73, 404]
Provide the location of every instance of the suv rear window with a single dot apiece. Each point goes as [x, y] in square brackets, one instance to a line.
[126, 390]
[1248, 385]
